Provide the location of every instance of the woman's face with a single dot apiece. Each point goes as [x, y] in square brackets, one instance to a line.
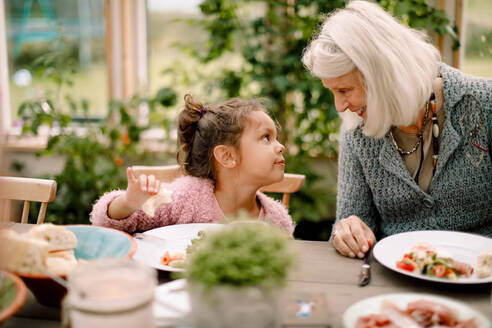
[349, 93]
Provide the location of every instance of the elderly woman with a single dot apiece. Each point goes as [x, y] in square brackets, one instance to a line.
[415, 141]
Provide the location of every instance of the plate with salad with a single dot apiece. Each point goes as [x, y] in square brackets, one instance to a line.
[443, 256]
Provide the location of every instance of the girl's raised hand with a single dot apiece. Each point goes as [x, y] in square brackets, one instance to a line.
[352, 237]
[140, 189]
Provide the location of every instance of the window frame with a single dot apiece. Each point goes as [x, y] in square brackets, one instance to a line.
[126, 54]
[126, 63]
[6, 120]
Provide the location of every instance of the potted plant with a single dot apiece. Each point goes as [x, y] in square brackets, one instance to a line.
[236, 276]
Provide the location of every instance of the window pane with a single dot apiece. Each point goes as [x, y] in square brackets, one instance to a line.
[171, 38]
[65, 35]
[167, 29]
[478, 43]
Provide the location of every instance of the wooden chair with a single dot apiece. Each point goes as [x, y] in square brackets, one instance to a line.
[167, 173]
[27, 190]
[289, 184]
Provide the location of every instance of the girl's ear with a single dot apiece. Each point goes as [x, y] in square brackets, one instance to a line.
[225, 156]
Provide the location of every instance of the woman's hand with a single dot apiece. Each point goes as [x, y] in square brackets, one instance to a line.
[137, 192]
[352, 237]
[140, 189]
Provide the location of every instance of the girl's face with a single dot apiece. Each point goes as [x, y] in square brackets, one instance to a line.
[262, 162]
[349, 93]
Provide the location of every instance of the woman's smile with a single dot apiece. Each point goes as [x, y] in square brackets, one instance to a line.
[361, 111]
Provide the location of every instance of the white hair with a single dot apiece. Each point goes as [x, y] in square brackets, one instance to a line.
[397, 64]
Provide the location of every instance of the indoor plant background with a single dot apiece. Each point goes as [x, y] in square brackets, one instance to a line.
[269, 43]
[95, 151]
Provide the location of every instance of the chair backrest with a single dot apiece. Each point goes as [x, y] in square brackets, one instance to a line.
[167, 173]
[289, 184]
[27, 190]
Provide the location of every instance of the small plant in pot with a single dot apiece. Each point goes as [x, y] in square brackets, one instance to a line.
[236, 276]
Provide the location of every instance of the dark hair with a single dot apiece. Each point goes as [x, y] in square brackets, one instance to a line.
[202, 127]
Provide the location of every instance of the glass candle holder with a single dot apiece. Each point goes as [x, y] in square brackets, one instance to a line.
[110, 293]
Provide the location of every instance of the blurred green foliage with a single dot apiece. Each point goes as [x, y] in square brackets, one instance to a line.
[95, 151]
[270, 37]
[478, 41]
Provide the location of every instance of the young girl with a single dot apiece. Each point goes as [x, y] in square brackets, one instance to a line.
[227, 152]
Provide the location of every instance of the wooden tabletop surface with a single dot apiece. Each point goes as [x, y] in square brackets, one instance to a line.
[320, 269]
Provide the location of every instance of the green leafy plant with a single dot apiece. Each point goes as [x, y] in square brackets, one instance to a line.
[243, 254]
[420, 15]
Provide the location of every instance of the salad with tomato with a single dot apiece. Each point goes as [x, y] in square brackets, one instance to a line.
[176, 259]
[426, 259]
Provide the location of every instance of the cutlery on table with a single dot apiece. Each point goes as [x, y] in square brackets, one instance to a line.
[156, 239]
[365, 270]
[149, 238]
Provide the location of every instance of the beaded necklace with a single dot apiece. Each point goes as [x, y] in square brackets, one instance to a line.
[435, 133]
[430, 106]
[420, 135]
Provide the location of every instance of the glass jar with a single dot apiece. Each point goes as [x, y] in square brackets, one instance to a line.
[110, 293]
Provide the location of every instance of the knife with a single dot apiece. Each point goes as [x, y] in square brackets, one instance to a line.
[365, 270]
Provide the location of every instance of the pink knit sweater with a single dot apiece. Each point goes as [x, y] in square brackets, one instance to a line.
[193, 201]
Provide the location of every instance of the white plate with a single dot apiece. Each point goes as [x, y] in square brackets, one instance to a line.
[175, 238]
[463, 247]
[372, 305]
[171, 304]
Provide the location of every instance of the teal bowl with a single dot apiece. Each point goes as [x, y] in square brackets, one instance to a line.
[98, 243]
[93, 242]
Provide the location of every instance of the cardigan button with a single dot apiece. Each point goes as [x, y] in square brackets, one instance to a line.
[429, 202]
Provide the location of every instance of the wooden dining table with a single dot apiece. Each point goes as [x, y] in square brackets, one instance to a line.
[320, 270]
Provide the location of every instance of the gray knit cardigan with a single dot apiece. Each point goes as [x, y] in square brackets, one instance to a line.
[375, 185]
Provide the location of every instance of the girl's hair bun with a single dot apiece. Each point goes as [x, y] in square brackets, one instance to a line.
[201, 128]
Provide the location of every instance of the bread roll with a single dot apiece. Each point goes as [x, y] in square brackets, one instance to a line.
[484, 265]
[57, 237]
[20, 254]
[67, 254]
[164, 196]
[60, 264]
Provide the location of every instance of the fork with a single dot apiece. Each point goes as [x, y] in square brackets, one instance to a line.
[149, 238]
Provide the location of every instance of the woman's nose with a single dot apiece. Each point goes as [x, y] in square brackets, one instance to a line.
[341, 107]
